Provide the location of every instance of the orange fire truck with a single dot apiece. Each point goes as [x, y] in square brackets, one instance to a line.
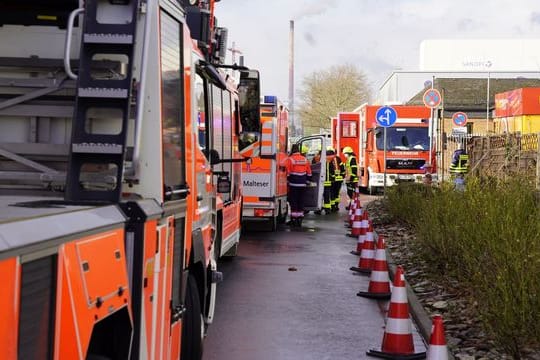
[264, 179]
[408, 155]
[118, 129]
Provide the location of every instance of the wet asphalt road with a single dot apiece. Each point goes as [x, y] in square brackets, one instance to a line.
[265, 311]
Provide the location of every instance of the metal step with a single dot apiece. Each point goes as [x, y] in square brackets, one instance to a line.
[97, 148]
[108, 39]
[107, 93]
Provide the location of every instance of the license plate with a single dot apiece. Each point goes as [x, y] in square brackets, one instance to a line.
[405, 177]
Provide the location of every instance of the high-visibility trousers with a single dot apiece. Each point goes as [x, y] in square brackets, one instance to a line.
[327, 196]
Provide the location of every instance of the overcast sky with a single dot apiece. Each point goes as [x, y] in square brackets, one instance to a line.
[378, 36]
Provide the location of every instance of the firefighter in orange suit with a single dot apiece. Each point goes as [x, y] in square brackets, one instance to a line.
[298, 174]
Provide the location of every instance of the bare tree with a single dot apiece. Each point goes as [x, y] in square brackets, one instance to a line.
[325, 93]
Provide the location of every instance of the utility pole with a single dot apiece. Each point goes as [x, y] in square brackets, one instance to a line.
[234, 50]
[292, 116]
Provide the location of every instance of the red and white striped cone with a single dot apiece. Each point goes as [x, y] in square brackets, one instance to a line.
[365, 231]
[357, 223]
[397, 339]
[356, 205]
[379, 283]
[437, 349]
[350, 216]
[352, 202]
[365, 263]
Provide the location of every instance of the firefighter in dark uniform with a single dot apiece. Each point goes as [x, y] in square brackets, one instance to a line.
[298, 174]
[460, 162]
[351, 171]
[339, 167]
[329, 179]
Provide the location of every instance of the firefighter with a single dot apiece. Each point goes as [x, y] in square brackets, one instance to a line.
[351, 171]
[329, 179]
[339, 167]
[298, 174]
[460, 162]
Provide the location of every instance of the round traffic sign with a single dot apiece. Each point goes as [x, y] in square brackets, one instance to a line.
[386, 116]
[459, 118]
[432, 98]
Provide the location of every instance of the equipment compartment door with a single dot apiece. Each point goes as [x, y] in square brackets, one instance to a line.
[314, 149]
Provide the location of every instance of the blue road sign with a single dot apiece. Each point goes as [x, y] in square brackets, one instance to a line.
[459, 118]
[386, 116]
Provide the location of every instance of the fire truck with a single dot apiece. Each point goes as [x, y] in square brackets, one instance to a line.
[121, 138]
[408, 155]
[264, 179]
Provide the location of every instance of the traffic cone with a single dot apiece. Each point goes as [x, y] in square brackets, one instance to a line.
[357, 223]
[437, 349]
[356, 205]
[379, 283]
[365, 231]
[397, 339]
[352, 201]
[365, 263]
[350, 216]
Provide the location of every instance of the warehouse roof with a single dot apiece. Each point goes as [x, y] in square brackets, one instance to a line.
[469, 94]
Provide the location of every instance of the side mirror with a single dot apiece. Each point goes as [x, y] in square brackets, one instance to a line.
[214, 157]
[223, 184]
[249, 96]
[249, 144]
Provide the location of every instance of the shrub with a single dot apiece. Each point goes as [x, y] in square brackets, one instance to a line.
[488, 238]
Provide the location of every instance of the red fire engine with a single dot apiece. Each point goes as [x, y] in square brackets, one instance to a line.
[407, 145]
[118, 129]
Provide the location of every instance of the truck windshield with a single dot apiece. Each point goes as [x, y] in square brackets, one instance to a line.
[403, 138]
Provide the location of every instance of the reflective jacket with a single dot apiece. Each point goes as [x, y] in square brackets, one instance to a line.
[330, 175]
[298, 170]
[352, 169]
[340, 168]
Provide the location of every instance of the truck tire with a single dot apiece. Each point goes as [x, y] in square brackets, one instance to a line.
[192, 323]
[281, 216]
[274, 222]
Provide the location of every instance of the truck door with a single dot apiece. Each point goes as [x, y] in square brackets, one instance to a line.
[314, 149]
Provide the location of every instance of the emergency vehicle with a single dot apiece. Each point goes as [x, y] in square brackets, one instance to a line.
[264, 178]
[109, 212]
[408, 155]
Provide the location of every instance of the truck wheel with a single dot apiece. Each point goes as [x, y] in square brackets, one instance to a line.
[274, 222]
[192, 323]
[281, 217]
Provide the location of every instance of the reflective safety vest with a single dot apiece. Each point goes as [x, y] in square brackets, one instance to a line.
[461, 166]
[340, 169]
[298, 170]
[352, 168]
[330, 175]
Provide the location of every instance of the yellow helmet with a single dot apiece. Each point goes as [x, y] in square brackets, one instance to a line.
[347, 150]
[330, 148]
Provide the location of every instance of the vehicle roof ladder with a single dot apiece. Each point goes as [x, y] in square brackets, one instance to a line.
[92, 152]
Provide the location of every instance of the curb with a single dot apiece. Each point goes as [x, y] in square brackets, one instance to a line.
[418, 313]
